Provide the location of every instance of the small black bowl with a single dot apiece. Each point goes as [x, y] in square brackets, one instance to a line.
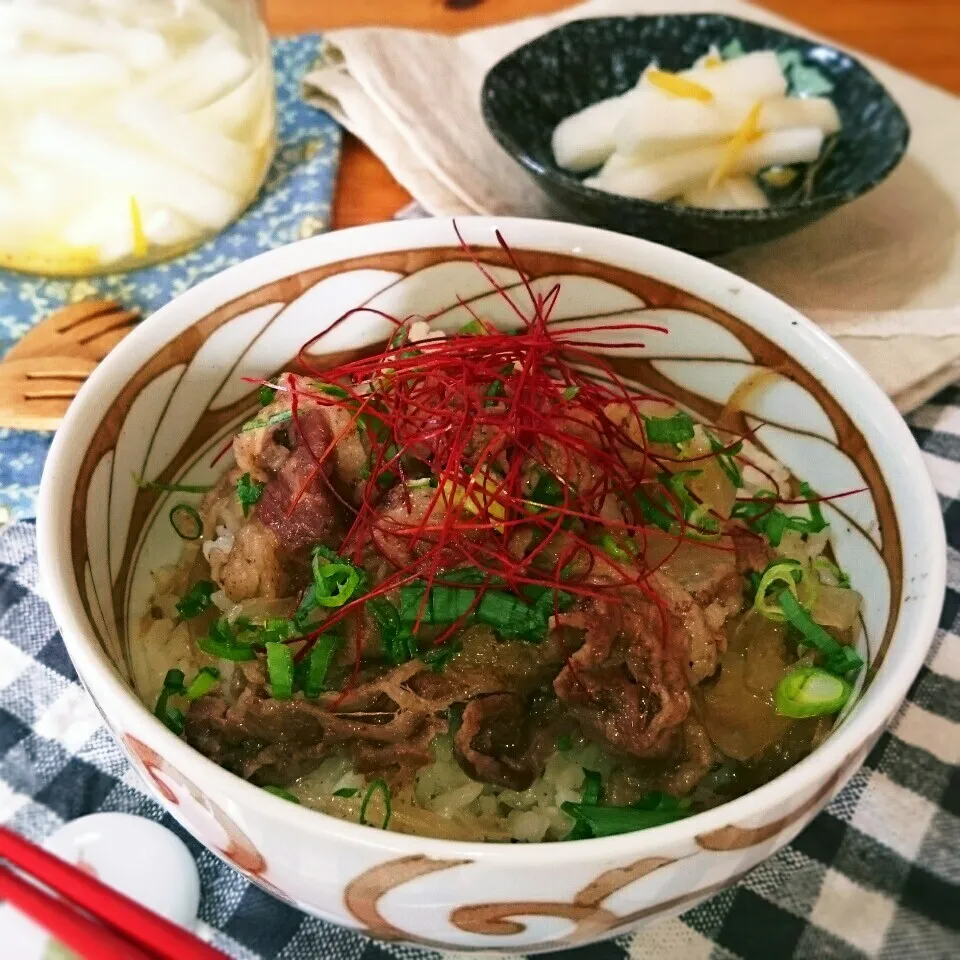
[531, 90]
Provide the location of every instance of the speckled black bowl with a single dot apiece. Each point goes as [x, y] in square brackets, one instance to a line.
[532, 89]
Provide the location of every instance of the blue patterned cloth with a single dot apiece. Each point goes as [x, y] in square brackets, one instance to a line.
[294, 203]
[876, 876]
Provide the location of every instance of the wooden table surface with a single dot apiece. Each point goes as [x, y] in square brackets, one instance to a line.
[921, 36]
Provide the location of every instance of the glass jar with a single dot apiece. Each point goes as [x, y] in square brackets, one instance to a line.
[132, 129]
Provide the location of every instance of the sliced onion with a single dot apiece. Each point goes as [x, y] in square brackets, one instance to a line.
[836, 607]
[713, 487]
[793, 546]
[693, 566]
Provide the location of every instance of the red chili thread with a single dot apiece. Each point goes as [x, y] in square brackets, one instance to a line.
[487, 417]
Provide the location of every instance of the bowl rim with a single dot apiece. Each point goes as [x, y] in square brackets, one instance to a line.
[894, 447]
[571, 182]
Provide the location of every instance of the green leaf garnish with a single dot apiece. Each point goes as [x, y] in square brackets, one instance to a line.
[249, 492]
[597, 820]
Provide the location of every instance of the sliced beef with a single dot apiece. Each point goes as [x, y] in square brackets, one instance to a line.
[299, 503]
[626, 685]
[752, 551]
[499, 741]
[384, 724]
[216, 733]
[698, 758]
[690, 636]
[252, 567]
[410, 523]
[349, 456]
[261, 452]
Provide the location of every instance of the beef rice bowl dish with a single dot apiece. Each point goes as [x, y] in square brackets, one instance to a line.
[474, 585]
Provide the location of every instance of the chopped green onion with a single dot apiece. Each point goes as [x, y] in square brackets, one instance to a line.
[280, 670]
[839, 659]
[824, 563]
[701, 524]
[548, 490]
[777, 523]
[725, 457]
[249, 492]
[437, 658]
[346, 792]
[282, 794]
[171, 487]
[810, 692]
[785, 572]
[655, 507]
[761, 517]
[335, 583]
[196, 600]
[186, 522]
[171, 717]
[507, 613]
[564, 743]
[318, 664]
[205, 680]
[274, 418]
[443, 604]
[676, 429]
[275, 630]
[570, 393]
[335, 580]
[386, 479]
[496, 388]
[381, 785]
[332, 390]
[222, 644]
[816, 523]
[266, 395]
[396, 641]
[611, 547]
[475, 328]
[592, 787]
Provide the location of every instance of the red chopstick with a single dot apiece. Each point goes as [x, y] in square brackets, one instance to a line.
[74, 929]
[107, 926]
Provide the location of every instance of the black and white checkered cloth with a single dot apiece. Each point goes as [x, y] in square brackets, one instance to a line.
[876, 875]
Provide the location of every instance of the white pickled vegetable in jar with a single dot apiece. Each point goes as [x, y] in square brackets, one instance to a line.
[132, 129]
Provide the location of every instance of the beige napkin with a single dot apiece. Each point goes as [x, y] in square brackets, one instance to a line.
[882, 275]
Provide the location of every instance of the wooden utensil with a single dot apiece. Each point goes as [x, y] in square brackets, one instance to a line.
[35, 392]
[91, 329]
[42, 373]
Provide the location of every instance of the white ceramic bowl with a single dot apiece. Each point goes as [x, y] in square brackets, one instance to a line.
[172, 393]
